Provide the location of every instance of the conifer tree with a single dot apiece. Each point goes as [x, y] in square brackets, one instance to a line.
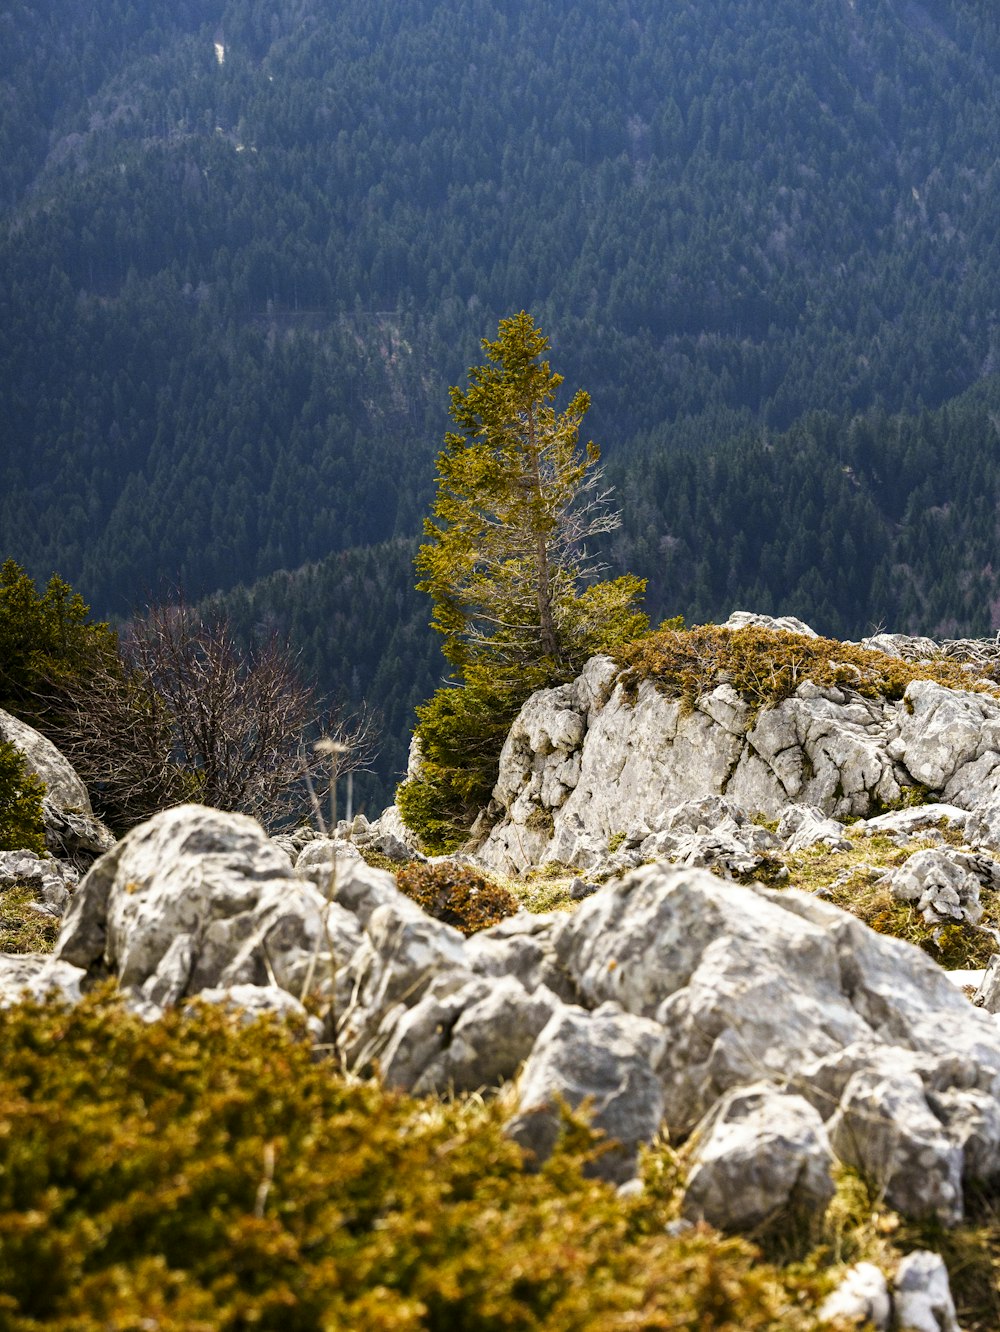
[506, 559]
[517, 595]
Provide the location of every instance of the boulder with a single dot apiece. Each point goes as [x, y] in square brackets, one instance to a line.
[804, 826]
[251, 1002]
[786, 623]
[944, 885]
[596, 764]
[51, 881]
[907, 823]
[468, 1039]
[948, 740]
[605, 1059]
[62, 785]
[522, 946]
[746, 988]
[751, 984]
[402, 952]
[71, 830]
[923, 1294]
[73, 835]
[759, 1154]
[195, 899]
[861, 1299]
[987, 995]
[982, 825]
[38, 977]
[885, 1128]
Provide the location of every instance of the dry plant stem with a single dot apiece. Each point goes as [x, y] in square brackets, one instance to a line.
[328, 1015]
[267, 1178]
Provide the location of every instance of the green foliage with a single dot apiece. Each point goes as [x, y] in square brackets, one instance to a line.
[766, 665]
[213, 1176]
[47, 644]
[506, 563]
[21, 792]
[457, 895]
[461, 731]
[517, 500]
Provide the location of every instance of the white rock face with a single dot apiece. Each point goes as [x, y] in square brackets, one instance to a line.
[587, 768]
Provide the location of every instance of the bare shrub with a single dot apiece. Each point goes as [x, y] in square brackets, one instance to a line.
[185, 713]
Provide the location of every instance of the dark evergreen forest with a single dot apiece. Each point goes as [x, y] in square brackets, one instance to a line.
[246, 248]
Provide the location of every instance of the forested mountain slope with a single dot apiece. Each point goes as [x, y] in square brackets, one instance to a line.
[245, 250]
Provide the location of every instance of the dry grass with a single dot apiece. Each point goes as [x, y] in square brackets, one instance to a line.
[22, 928]
[766, 665]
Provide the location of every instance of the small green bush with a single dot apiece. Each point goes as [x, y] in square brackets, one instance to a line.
[201, 1176]
[457, 895]
[46, 644]
[461, 730]
[21, 792]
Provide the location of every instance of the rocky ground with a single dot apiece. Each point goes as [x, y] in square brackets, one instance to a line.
[715, 946]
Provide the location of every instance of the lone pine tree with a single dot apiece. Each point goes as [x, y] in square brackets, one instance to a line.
[517, 594]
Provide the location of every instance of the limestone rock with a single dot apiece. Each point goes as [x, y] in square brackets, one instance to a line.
[37, 976]
[923, 1294]
[861, 1298]
[787, 623]
[745, 988]
[944, 885]
[402, 952]
[908, 823]
[606, 1058]
[255, 1001]
[324, 859]
[904, 646]
[169, 910]
[885, 1128]
[472, 1038]
[982, 825]
[803, 826]
[63, 787]
[758, 1153]
[949, 740]
[51, 881]
[987, 995]
[521, 946]
[73, 835]
[71, 830]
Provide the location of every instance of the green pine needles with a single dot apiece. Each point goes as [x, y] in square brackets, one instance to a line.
[21, 793]
[518, 596]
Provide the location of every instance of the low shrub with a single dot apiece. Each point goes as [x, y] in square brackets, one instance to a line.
[21, 793]
[198, 1175]
[457, 895]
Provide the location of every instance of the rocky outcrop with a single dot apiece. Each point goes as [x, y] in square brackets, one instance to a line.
[594, 765]
[776, 1032]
